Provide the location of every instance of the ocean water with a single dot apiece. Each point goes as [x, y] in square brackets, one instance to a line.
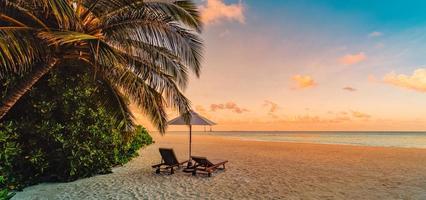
[380, 139]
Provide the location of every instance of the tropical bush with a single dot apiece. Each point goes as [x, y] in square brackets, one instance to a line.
[4, 191]
[67, 71]
[61, 131]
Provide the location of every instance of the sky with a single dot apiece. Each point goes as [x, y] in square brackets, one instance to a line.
[313, 65]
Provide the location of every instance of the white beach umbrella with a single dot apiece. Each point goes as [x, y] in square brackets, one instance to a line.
[196, 119]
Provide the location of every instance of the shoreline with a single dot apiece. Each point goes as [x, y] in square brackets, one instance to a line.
[275, 139]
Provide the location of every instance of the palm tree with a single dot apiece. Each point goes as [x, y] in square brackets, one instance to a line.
[142, 49]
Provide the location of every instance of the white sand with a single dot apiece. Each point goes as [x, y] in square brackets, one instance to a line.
[257, 170]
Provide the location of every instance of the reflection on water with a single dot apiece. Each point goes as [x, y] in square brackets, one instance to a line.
[385, 139]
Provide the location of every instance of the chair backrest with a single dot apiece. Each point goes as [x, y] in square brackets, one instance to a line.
[202, 161]
[168, 156]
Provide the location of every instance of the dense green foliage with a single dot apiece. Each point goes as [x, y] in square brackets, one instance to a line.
[61, 131]
[4, 191]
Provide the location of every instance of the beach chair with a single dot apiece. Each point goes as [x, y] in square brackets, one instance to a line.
[202, 164]
[169, 160]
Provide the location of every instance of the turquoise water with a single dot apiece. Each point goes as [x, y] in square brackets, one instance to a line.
[381, 139]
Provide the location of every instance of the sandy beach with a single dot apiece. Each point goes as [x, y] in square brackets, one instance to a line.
[257, 170]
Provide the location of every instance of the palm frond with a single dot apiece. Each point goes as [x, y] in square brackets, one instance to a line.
[64, 37]
[162, 33]
[63, 12]
[18, 51]
[159, 81]
[157, 9]
[12, 12]
[118, 104]
[191, 8]
[164, 59]
[102, 7]
[149, 73]
[149, 100]
[137, 78]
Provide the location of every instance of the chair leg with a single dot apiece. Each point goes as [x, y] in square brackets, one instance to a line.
[172, 171]
[209, 174]
[194, 173]
[157, 171]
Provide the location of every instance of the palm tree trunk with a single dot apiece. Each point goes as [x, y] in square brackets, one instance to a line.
[23, 87]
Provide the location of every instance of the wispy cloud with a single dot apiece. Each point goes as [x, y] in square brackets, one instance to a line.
[303, 81]
[375, 34]
[337, 117]
[272, 106]
[360, 115]
[349, 89]
[416, 81]
[232, 106]
[313, 119]
[215, 11]
[351, 59]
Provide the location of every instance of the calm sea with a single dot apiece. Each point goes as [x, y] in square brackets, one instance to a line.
[382, 139]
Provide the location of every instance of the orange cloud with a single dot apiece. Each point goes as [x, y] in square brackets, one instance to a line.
[304, 81]
[351, 59]
[360, 115]
[228, 106]
[417, 81]
[350, 89]
[305, 119]
[215, 11]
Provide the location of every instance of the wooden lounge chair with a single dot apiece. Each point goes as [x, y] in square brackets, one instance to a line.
[204, 165]
[169, 160]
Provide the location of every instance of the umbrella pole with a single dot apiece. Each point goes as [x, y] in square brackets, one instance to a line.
[190, 145]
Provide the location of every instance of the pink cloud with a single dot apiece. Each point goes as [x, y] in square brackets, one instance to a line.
[349, 89]
[272, 106]
[214, 107]
[215, 11]
[351, 59]
[416, 81]
[303, 81]
[228, 106]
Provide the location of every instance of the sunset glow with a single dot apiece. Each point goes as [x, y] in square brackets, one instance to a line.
[352, 66]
